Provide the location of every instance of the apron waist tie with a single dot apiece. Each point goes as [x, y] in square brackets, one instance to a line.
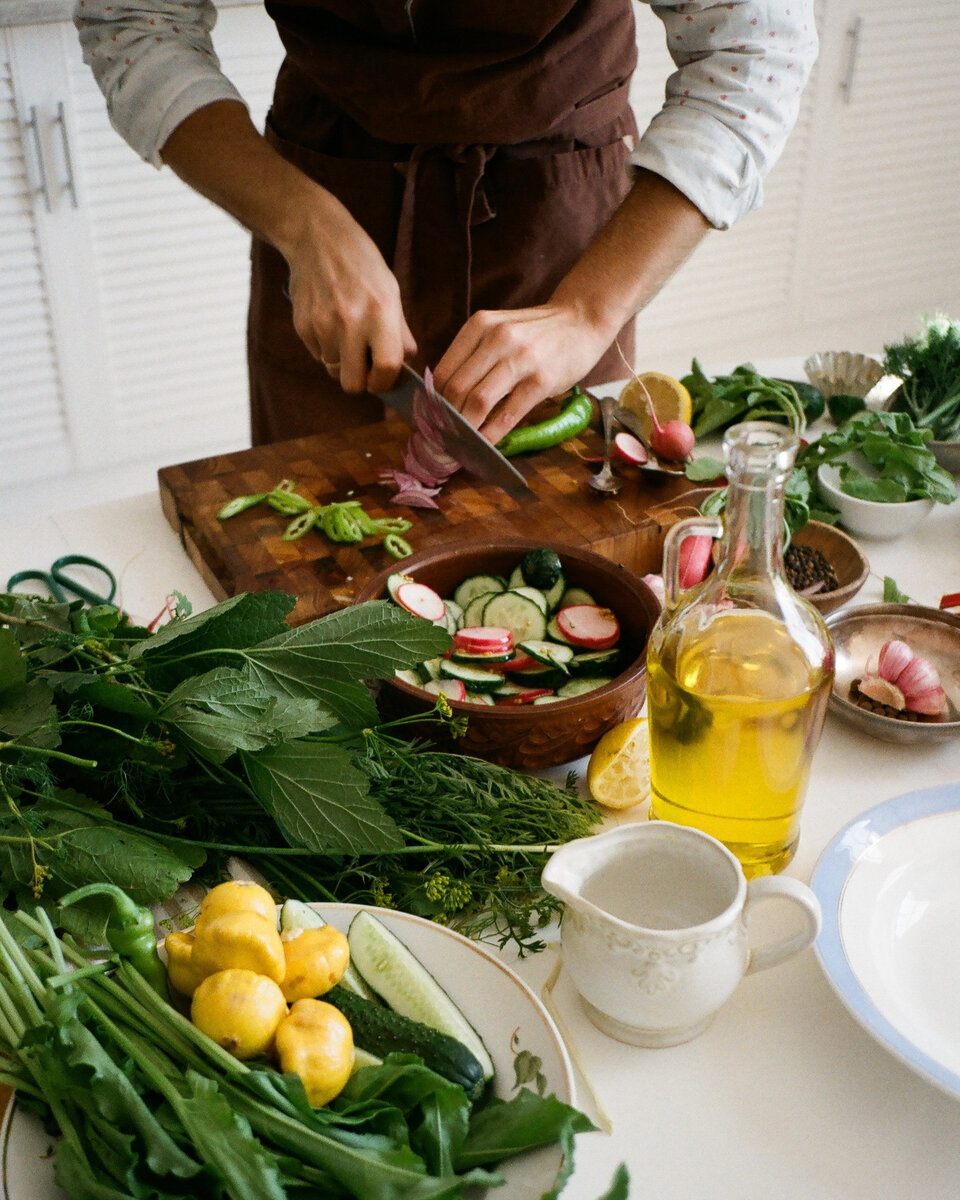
[473, 208]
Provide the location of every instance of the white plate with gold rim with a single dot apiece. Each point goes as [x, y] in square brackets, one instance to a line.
[517, 1030]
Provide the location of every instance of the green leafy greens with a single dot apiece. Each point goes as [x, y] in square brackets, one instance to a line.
[141, 759]
[147, 1105]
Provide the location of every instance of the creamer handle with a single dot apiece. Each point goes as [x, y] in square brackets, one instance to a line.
[782, 887]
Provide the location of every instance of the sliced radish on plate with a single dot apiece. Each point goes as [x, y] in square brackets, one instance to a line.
[589, 625]
[421, 600]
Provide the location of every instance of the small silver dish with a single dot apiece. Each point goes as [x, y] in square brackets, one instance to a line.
[858, 634]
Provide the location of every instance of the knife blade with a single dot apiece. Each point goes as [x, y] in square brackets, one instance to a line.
[458, 437]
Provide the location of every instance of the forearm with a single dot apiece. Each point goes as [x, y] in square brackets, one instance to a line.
[649, 237]
[218, 151]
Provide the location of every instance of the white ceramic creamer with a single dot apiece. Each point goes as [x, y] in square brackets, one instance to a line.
[655, 935]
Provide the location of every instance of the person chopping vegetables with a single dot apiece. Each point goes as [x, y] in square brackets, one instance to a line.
[461, 185]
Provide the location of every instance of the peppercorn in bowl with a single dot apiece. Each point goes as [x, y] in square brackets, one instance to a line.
[548, 648]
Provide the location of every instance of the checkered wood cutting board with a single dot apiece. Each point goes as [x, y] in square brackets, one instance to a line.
[247, 552]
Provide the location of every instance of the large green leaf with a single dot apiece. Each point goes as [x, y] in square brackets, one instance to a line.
[319, 798]
[78, 842]
[325, 658]
[224, 711]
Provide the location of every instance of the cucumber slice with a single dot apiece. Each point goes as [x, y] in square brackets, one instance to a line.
[474, 679]
[294, 914]
[452, 616]
[473, 613]
[556, 634]
[591, 660]
[430, 669]
[535, 595]
[551, 654]
[578, 687]
[394, 581]
[576, 595]
[477, 585]
[409, 676]
[517, 613]
[363, 1058]
[516, 577]
[479, 698]
[404, 983]
[555, 594]
[546, 699]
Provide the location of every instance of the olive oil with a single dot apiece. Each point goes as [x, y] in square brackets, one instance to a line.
[736, 705]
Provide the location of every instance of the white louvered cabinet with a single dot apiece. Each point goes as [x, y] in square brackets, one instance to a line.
[122, 294]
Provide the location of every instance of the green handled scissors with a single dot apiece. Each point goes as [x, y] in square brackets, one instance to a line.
[59, 582]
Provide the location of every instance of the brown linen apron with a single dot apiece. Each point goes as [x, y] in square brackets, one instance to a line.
[480, 143]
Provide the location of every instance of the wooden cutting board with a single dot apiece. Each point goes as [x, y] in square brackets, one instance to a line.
[247, 552]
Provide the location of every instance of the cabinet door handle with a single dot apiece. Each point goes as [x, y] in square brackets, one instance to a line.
[42, 189]
[69, 184]
[846, 83]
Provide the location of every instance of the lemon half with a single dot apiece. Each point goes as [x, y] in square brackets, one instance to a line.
[618, 774]
[670, 399]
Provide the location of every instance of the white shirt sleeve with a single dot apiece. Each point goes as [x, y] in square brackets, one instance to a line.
[731, 104]
[154, 62]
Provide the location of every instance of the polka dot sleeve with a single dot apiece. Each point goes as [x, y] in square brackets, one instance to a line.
[733, 100]
[155, 64]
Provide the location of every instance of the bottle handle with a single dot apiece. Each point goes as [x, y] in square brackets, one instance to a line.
[692, 527]
[782, 887]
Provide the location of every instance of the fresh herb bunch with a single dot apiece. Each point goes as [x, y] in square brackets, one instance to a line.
[148, 1105]
[746, 395]
[882, 456]
[929, 366]
[141, 759]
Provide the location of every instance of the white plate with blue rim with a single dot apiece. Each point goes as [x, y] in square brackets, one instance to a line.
[889, 887]
[516, 1028]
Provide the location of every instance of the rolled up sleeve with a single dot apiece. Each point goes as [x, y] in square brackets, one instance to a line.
[155, 64]
[732, 102]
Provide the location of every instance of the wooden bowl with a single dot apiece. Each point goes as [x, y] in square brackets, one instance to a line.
[843, 554]
[838, 548]
[531, 737]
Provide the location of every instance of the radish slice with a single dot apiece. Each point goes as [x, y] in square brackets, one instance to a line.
[519, 662]
[453, 689]
[589, 625]
[629, 449]
[480, 639]
[420, 600]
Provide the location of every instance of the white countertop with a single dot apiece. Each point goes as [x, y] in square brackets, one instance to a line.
[785, 1097]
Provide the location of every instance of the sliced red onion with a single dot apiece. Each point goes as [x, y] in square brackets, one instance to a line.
[416, 497]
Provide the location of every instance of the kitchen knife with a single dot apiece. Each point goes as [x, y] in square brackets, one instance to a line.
[459, 438]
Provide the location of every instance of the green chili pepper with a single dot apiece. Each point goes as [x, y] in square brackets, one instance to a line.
[129, 931]
[301, 524]
[392, 524]
[240, 504]
[396, 546]
[572, 419]
[346, 524]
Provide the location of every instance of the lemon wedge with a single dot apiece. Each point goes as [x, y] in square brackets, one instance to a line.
[618, 774]
[670, 399]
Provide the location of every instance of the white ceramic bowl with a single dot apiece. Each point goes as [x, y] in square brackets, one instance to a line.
[869, 518]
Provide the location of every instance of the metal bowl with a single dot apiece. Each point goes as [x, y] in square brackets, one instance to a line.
[858, 634]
